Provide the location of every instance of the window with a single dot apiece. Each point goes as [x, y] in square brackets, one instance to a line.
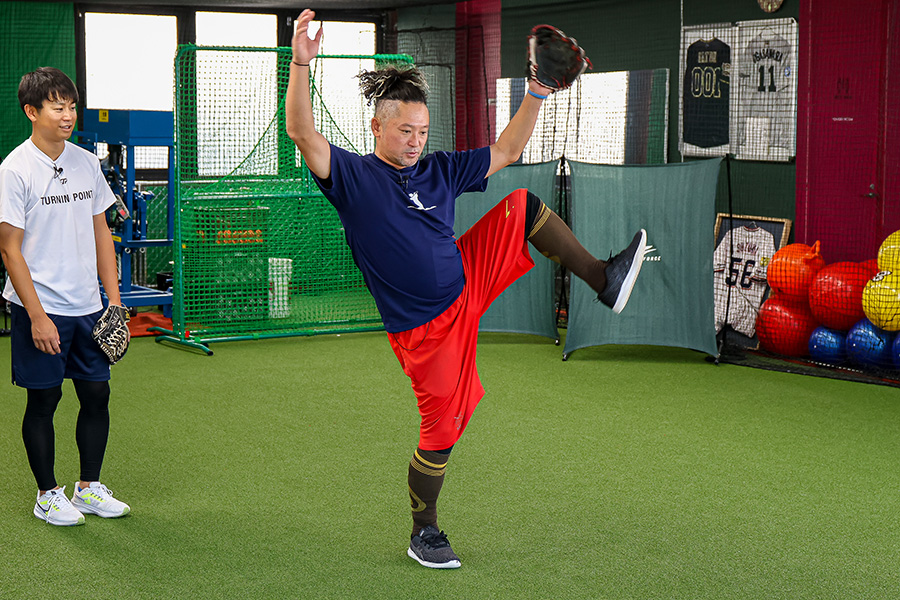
[129, 66]
[128, 60]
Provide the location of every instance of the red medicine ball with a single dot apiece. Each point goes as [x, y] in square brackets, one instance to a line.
[784, 326]
[835, 296]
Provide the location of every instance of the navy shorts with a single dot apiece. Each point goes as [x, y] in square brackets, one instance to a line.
[80, 356]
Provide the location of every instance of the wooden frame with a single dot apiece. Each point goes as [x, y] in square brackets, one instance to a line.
[779, 228]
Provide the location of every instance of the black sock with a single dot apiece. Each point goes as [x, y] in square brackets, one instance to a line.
[426, 477]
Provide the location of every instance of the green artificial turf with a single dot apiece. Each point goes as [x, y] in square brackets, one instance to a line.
[277, 469]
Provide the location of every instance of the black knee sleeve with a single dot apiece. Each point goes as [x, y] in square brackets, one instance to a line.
[92, 395]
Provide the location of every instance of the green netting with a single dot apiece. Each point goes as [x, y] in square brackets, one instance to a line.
[27, 41]
[259, 251]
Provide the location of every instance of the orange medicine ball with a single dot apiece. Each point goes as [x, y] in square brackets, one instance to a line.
[792, 269]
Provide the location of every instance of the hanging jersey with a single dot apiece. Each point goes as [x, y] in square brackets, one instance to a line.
[739, 263]
[766, 114]
[707, 83]
[399, 226]
[54, 202]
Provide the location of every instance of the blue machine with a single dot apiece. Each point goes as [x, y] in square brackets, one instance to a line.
[123, 130]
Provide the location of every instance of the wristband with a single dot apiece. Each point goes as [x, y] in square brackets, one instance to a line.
[536, 95]
[299, 64]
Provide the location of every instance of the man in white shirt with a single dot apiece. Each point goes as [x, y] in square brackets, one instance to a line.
[55, 242]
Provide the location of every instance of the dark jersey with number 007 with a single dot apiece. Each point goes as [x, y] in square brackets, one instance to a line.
[707, 83]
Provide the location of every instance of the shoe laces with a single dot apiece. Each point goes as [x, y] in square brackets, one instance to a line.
[99, 490]
[58, 499]
[435, 539]
[645, 248]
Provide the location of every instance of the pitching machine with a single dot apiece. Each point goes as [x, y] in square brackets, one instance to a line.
[123, 131]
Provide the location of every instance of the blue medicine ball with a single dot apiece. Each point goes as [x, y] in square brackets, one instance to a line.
[868, 345]
[896, 352]
[828, 345]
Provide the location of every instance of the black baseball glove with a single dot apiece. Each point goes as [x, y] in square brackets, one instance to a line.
[111, 332]
[554, 59]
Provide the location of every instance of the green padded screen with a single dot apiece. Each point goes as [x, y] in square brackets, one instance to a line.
[672, 301]
[527, 306]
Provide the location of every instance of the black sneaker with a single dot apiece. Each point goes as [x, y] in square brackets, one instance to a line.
[622, 271]
[431, 548]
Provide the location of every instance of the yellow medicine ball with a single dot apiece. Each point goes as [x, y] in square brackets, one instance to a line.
[881, 300]
[889, 253]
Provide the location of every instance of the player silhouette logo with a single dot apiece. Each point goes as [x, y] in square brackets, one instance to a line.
[417, 204]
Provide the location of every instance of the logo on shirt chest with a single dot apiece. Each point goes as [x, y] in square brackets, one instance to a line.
[58, 174]
[416, 203]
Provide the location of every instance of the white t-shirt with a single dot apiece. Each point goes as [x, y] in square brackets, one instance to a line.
[54, 202]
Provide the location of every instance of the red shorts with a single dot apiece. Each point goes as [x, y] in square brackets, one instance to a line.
[439, 356]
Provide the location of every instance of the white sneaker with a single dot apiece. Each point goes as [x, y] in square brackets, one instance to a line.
[96, 499]
[53, 506]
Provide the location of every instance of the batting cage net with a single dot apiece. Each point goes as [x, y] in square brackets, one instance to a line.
[259, 252]
[434, 51]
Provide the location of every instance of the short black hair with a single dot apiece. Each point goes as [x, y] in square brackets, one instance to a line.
[405, 85]
[45, 83]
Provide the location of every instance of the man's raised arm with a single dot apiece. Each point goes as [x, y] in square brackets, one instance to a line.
[299, 120]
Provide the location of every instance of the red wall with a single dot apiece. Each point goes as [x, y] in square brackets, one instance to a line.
[847, 193]
[890, 149]
[477, 70]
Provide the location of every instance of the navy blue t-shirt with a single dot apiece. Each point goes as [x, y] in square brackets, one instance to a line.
[399, 226]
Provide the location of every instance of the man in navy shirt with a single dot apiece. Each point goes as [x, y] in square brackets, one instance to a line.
[431, 289]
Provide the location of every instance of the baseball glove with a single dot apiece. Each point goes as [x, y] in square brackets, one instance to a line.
[554, 59]
[111, 332]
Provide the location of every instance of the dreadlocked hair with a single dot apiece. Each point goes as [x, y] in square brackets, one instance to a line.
[407, 85]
